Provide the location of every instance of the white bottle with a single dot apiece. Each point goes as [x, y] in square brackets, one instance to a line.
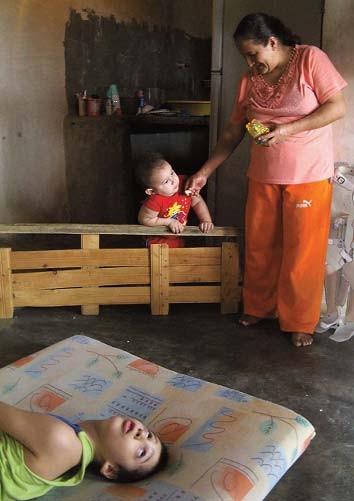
[116, 105]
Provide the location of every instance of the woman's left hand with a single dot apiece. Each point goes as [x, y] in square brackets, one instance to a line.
[276, 135]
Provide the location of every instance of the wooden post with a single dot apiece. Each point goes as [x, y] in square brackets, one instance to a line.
[90, 242]
[6, 298]
[159, 275]
[230, 270]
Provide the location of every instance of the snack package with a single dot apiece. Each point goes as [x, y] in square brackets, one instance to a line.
[255, 129]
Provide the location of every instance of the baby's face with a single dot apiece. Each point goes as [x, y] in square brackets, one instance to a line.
[164, 181]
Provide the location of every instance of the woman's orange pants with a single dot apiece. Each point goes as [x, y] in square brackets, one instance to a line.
[286, 242]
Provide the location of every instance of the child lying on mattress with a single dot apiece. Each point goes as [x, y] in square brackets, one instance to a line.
[39, 452]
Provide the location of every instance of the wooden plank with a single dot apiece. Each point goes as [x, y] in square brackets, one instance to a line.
[194, 294]
[6, 299]
[230, 289]
[62, 279]
[90, 242]
[185, 274]
[76, 297]
[78, 258]
[112, 229]
[159, 279]
[191, 256]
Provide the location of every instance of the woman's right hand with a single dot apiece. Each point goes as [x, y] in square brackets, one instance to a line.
[195, 183]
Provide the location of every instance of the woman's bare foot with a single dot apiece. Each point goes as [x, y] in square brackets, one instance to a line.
[248, 320]
[301, 339]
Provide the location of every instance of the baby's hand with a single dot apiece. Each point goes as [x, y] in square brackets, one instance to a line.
[175, 226]
[206, 226]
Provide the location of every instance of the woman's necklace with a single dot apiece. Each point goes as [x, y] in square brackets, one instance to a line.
[284, 72]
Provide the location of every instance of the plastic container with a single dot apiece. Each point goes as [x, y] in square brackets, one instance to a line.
[93, 107]
[81, 105]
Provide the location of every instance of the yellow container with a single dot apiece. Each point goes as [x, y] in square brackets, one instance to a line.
[196, 108]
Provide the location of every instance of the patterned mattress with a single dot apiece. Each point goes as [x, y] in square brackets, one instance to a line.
[224, 445]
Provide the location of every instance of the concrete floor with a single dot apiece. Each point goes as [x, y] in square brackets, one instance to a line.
[316, 382]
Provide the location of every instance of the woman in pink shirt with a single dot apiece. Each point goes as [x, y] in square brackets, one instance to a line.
[295, 91]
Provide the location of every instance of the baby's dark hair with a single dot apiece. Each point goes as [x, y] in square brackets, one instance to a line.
[260, 27]
[125, 476]
[145, 166]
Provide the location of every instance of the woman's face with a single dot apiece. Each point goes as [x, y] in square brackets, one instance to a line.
[263, 58]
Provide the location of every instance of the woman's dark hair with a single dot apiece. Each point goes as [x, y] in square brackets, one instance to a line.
[125, 476]
[145, 166]
[260, 27]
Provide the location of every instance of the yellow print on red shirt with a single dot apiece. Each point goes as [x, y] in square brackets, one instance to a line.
[177, 211]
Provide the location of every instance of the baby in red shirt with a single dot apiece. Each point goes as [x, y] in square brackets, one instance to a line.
[168, 204]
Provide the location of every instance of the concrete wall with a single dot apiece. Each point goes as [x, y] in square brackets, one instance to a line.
[338, 42]
[100, 50]
[33, 102]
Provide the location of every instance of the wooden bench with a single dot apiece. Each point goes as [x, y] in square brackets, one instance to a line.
[91, 276]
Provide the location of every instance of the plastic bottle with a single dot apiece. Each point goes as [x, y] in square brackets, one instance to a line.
[109, 106]
[141, 101]
[116, 104]
[113, 94]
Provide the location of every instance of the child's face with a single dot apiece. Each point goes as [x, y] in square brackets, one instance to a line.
[128, 443]
[164, 181]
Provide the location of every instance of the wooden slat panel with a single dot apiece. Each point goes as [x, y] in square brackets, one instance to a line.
[62, 279]
[90, 242]
[185, 274]
[195, 294]
[76, 297]
[6, 300]
[112, 229]
[77, 258]
[230, 290]
[195, 256]
[159, 279]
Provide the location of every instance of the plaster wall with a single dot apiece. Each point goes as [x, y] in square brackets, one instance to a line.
[32, 105]
[33, 101]
[339, 45]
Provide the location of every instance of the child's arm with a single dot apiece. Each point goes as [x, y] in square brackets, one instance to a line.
[50, 446]
[203, 214]
[148, 217]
